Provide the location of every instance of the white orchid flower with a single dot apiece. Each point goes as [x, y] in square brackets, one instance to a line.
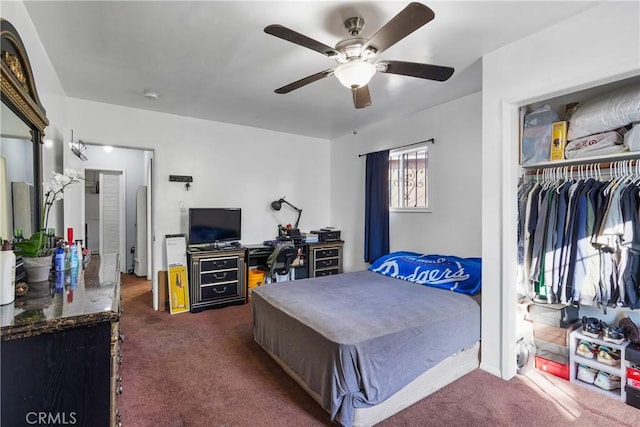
[72, 174]
[54, 190]
[61, 179]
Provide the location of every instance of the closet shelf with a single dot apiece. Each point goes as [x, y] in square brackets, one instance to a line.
[629, 155]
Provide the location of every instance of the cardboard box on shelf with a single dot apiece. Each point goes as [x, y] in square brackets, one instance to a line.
[552, 334]
[554, 368]
[558, 140]
[633, 376]
[557, 315]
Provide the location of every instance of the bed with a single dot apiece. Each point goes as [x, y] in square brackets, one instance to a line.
[367, 344]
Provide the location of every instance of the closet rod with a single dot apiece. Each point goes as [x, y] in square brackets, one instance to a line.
[431, 140]
[603, 165]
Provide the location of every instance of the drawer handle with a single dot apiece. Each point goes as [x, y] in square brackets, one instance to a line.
[219, 275]
[325, 262]
[221, 291]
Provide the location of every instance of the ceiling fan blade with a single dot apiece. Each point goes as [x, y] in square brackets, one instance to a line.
[300, 39]
[361, 97]
[305, 81]
[412, 17]
[413, 69]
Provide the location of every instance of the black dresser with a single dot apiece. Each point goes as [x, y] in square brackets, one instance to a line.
[60, 350]
[216, 278]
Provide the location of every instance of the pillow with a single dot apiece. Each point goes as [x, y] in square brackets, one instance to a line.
[462, 275]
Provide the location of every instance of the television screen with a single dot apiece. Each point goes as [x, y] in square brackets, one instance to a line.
[210, 225]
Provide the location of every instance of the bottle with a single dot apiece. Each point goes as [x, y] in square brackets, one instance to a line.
[7, 274]
[80, 253]
[75, 260]
[67, 257]
[69, 235]
[59, 259]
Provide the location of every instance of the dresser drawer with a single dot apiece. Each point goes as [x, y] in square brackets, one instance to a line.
[212, 264]
[210, 292]
[327, 253]
[327, 263]
[329, 272]
[218, 276]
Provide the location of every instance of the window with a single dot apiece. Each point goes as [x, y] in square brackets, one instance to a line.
[409, 179]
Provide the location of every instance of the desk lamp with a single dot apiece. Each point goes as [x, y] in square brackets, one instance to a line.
[276, 205]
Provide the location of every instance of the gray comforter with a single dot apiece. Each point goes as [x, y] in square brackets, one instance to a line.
[357, 338]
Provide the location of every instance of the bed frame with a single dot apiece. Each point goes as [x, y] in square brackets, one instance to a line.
[442, 374]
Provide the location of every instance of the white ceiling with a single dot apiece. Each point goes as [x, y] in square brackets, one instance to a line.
[212, 60]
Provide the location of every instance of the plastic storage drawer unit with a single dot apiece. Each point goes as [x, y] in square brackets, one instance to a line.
[633, 396]
[632, 353]
[556, 315]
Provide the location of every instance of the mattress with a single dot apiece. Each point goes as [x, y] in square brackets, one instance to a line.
[358, 338]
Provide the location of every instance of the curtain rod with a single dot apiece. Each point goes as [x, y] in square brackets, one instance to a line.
[431, 140]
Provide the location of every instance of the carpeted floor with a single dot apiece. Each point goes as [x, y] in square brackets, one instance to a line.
[205, 370]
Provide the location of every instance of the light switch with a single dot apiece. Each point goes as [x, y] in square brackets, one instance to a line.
[183, 206]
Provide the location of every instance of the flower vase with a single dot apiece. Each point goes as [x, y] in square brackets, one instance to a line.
[37, 268]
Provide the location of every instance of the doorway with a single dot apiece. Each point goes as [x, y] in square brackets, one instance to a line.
[117, 213]
[105, 207]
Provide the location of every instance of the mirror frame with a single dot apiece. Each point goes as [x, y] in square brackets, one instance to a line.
[18, 92]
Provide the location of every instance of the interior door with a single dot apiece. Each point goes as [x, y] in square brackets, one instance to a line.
[149, 219]
[111, 224]
[140, 261]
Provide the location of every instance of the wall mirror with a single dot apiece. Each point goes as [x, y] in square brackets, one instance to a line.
[22, 130]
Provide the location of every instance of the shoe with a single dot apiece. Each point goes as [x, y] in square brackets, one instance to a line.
[591, 326]
[607, 381]
[587, 349]
[608, 356]
[630, 329]
[586, 374]
[614, 334]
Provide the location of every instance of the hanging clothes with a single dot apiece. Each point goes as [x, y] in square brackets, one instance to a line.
[579, 240]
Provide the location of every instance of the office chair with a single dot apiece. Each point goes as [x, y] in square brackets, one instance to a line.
[279, 262]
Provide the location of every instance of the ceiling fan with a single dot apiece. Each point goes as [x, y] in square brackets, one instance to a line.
[355, 55]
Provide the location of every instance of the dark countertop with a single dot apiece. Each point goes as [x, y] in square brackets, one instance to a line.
[62, 303]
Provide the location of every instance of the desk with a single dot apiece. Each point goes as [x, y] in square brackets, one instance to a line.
[257, 255]
[317, 259]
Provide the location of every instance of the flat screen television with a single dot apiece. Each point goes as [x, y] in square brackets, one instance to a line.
[212, 225]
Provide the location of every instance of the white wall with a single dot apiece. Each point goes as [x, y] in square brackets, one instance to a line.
[52, 96]
[595, 47]
[454, 225]
[231, 165]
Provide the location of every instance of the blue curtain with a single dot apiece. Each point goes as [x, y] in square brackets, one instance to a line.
[376, 222]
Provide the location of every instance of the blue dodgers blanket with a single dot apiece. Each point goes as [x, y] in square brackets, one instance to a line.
[462, 275]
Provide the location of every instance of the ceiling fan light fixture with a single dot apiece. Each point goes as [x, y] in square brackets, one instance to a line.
[355, 74]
